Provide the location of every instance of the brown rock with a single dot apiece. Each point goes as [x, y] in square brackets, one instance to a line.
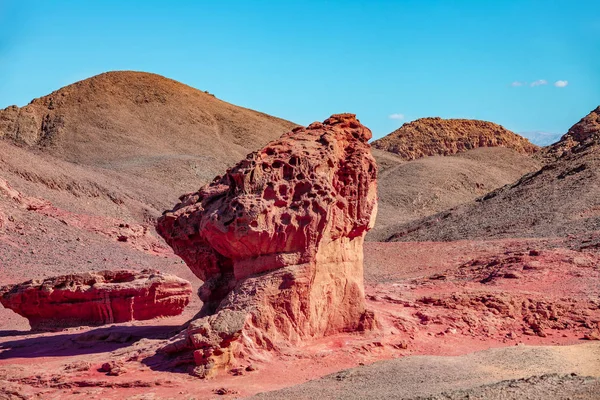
[113, 368]
[97, 298]
[586, 131]
[594, 334]
[278, 241]
[437, 136]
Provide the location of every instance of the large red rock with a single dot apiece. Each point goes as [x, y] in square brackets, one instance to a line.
[97, 298]
[278, 241]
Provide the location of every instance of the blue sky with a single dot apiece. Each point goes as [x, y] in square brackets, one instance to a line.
[305, 60]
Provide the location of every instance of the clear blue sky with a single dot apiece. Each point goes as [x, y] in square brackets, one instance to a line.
[304, 60]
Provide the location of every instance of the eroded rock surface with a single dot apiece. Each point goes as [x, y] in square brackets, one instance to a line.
[278, 241]
[97, 298]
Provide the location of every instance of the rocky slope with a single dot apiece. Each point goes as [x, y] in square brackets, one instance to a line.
[413, 190]
[586, 130]
[126, 139]
[437, 136]
[561, 198]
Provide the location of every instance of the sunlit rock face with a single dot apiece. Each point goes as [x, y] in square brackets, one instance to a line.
[97, 298]
[278, 241]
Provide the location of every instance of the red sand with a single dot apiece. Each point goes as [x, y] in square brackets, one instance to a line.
[427, 304]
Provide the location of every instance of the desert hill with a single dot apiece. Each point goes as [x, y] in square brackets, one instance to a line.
[126, 143]
[432, 164]
[436, 136]
[586, 130]
[120, 118]
[561, 198]
[416, 189]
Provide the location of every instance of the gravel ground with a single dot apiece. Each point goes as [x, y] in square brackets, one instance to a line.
[520, 372]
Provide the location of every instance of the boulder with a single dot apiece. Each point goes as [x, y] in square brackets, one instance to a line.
[278, 242]
[97, 298]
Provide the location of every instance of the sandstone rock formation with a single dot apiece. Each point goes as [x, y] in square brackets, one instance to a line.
[278, 241]
[436, 136]
[97, 298]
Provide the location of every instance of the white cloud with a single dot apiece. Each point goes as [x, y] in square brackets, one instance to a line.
[561, 83]
[396, 116]
[539, 82]
[517, 84]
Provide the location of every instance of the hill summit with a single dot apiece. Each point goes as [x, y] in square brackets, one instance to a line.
[124, 144]
[436, 136]
[125, 117]
[585, 132]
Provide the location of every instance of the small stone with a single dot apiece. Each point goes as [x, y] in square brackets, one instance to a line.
[592, 335]
[113, 368]
[223, 391]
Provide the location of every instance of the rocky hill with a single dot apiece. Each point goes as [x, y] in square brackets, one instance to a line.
[125, 144]
[587, 129]
[416, 189]
[561, 198]
[437, 136]
[118, 118]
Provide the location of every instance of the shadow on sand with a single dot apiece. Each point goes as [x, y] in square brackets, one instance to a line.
[14, 333]
[92, 341]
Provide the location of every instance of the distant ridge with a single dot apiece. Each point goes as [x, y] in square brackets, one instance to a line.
[436, 136]
[560, 199]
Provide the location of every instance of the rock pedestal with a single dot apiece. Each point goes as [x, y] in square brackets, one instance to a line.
[278, 241]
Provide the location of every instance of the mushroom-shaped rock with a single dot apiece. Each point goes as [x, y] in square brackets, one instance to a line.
[97, 298]
[278, 242]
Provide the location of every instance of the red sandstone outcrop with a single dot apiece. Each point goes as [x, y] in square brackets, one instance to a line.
[436, 136]
[278, 241]
[97, 298]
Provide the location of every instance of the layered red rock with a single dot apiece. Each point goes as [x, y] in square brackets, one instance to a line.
[97, 298]
[278, 241]
[436, 136]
